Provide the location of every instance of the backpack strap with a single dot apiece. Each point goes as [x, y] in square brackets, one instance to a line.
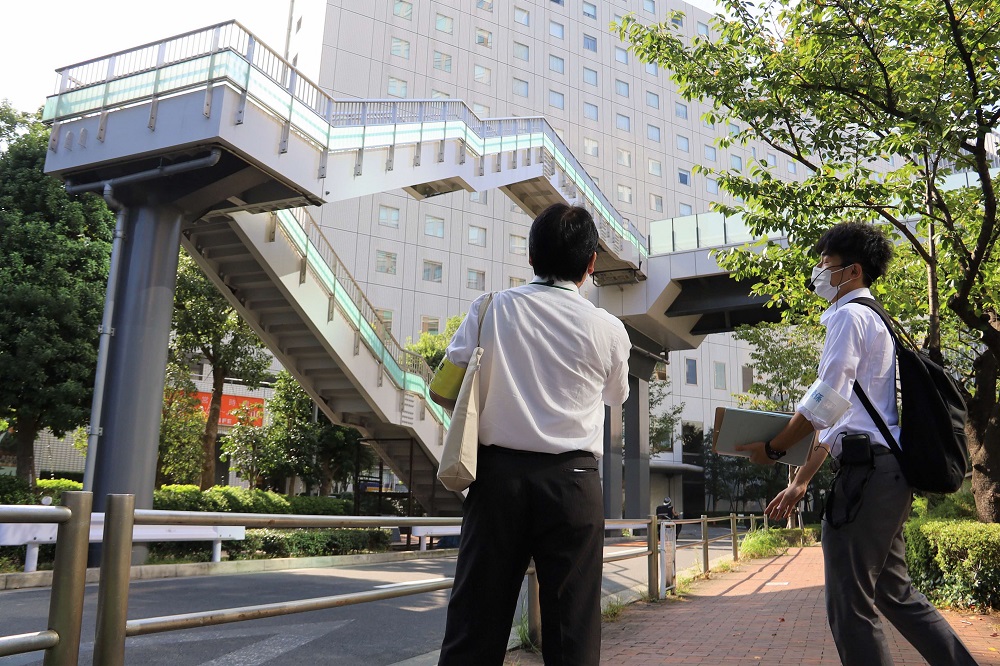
[876, 417]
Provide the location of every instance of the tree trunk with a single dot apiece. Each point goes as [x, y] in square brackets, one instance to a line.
[208, 439]
[984, 438]
[24, 438]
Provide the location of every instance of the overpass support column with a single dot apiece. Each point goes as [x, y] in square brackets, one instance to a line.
[637, 503]
[611, 471]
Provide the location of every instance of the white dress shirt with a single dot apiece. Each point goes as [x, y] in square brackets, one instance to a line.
[552, 360]
[858, 348]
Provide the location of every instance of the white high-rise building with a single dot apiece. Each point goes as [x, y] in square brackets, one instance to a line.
[421, 261]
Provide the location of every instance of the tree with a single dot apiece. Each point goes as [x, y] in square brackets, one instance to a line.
[433, 345]
[250, 449]
[182, 424]
[662, 425]
[881, 105]
[206, 326]
[54, 258]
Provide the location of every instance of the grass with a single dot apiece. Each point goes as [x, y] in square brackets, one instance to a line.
[523, 636]
[612, 609]
[763, 543]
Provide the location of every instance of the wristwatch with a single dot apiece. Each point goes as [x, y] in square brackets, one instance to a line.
[771, 453]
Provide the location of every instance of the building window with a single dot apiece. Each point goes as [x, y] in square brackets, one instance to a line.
[481, 110]
[590, 76]
[557, 64]
[653, 133]
[400, 47]
[683, 177]
[710, 153]
[434, 226]
[520, 88]
[621, 55]
[403, 9]
[684, 209]
[518, 244]
[656, 203]
[439, 94]
[623, 157]
[479, 197]
[624, 194]
[654, 167]
[486, 5]
[680, 110]
[522, 16]
[557, 99]
[734, 129]
[736, 162]
[590, 111]
[475, 279]
[702, 29]
[590, 10]
[691, 371]
[388, 216]
[652, 69]
[683, 144]
[791, 166]
[516, 282]
[652, 100]
[483, 74]
[484, 38]
[590, 43]
[623, 122]
[719, 375]
[397, 87]
[621, 87]
[430, 325]
[433, 271]
[444, 23]
[711, 185]
[559, 2]
[521, 51]
[747, 376]
[477, 236]
[385, 262]
[591, 147]
[678, 21]
[386, 317]
[557, 30]
[649, 6]
[442, 61]
[771, 160]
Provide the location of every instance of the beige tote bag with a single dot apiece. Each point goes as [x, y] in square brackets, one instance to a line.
[461, 444]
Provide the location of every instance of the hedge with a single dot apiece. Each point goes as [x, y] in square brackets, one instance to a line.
[955, 562]
[268, 543]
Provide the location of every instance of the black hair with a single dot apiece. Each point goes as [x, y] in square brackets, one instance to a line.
[858, 243]
[561, 242]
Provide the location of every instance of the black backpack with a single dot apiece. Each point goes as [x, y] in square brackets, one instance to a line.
[935, 452]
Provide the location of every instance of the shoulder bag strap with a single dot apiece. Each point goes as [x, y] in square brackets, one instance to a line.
[482, 315]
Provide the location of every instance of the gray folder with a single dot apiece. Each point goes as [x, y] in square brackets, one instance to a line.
[741, 426]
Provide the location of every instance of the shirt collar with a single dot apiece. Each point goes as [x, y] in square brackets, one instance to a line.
[862, 292]
[562, 284]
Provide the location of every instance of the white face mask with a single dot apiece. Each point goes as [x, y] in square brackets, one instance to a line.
[820, 282]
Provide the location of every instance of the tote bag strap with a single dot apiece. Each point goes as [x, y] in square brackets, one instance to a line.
[482, 315]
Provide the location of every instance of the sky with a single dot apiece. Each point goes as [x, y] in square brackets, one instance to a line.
[36, 38]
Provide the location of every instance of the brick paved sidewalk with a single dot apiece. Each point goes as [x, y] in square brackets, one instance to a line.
[771, 611]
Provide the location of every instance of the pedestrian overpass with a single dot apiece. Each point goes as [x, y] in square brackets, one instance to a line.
[213, 141]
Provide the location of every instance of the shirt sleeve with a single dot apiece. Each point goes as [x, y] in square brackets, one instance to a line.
[466, 338]
[616, 389]
[838, 365]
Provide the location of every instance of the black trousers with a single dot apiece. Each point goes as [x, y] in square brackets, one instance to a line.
[524, 505]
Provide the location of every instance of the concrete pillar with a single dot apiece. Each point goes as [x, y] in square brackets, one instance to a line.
[637, 503]
[612, 462]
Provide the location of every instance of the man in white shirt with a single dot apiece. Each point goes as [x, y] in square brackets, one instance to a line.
[552, 361]
[863, 546]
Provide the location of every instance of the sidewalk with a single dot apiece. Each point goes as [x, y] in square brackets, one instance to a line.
[769, 612]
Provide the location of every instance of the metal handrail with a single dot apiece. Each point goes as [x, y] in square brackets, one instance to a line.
[61, 641]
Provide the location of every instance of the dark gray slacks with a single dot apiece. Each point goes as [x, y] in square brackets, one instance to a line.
[525, 505]
[865, 569]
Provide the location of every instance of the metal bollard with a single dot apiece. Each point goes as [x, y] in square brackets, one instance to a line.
[753, 522]
[534, 610]
[736, 541]
[704, 543]
[653, 567]
[112, 594]
[69, 578]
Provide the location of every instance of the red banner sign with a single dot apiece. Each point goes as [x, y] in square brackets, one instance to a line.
[230, 403]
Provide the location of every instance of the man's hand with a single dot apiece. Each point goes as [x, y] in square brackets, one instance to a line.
[784, 502]
[756, 451]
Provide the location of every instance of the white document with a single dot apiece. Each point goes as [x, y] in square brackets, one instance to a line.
[734, 426]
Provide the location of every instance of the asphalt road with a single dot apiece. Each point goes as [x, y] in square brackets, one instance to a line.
[379, 633]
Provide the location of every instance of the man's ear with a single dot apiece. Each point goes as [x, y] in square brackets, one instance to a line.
[593, 262]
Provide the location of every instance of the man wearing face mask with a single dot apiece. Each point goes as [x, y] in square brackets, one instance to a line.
[863, 548]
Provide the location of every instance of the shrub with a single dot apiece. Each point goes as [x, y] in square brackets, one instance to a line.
[319, 506]
[799, 537]
[955, 562]
[266, 543]
[180, 498]
[15, 490]
[54, 488]
[241, 500]
[763, 543]
[956, 506]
